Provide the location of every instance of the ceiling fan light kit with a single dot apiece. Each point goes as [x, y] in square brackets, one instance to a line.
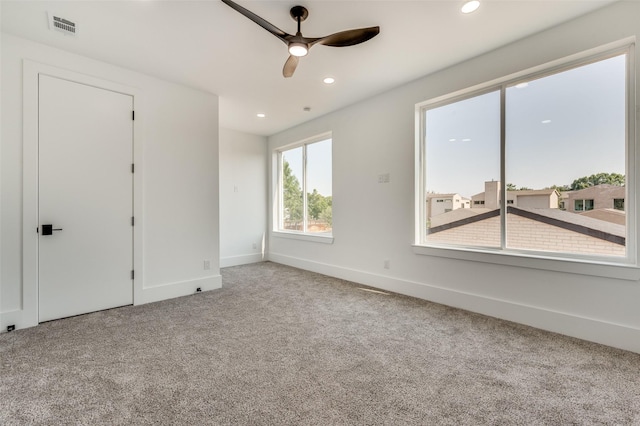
[297, 44]
[298, 49]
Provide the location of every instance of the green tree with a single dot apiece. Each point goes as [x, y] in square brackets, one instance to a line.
[326, 215]
[316, 203]
[560, 188]
[512, 187]
[598, 179]
[292, 195]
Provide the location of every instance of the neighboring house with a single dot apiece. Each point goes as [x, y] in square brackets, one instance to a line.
[533, 198]
[438, 204]
[594, 198]
[548, 229]
[593, 223]
[489, 199]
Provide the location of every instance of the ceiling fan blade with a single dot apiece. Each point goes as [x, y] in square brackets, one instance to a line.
[258, 20]
[348, 37]
[290, 66]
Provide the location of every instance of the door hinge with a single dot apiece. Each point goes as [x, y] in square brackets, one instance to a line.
[132, 274]
[133, 115]
[133, 168]
[133, 221]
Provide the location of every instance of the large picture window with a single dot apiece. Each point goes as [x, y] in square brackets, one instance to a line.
[305, 188]
[538, 163]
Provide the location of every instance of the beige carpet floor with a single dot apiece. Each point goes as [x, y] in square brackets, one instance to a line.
[282, 346]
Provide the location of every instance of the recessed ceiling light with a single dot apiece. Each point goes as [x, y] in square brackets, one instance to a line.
[261, 115]
[452, 140]
[546, 121]
[329, 80]
[521, 85]
[470, 6]
[466, 140]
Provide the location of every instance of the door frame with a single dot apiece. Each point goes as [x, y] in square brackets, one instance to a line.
[31, 72]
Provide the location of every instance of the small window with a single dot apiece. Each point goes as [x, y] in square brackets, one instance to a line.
[305, 195]
[618, 204]
[583, 205]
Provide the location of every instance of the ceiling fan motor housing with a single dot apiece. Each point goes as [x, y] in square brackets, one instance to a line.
[299, 12]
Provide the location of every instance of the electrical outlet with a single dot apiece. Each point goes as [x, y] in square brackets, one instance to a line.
[387, 265]
[255, 246]
[207, 265]
[384, 178]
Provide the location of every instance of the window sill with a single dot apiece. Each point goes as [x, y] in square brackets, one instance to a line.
[570, 266]
[315, 238]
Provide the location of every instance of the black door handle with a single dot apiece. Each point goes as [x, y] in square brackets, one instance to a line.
[48, 229]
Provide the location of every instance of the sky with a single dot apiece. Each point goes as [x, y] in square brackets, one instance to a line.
[558, 128]
[319, 166]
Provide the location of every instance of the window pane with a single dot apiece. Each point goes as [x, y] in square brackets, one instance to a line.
[618, 203]
[292, 201]
[319, 202]
[462, 169]
[565, 143]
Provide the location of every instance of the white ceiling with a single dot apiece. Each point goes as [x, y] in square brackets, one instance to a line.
[209, 46]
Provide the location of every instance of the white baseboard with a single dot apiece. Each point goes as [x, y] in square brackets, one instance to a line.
[13, 318]
[606, 333]
[149, 295]
[178, 289]
[244, 259]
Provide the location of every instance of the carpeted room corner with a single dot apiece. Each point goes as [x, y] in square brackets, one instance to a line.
[279, 345]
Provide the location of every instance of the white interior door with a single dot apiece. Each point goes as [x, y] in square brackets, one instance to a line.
[86, 191]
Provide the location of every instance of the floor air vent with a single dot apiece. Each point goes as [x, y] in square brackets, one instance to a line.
[65, 26]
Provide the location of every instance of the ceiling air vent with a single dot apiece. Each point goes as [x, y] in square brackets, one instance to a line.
[65, 26]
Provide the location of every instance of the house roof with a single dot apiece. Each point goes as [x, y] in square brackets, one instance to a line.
[609, 215]
[597, 189]
[523, 192]
[441, 195]
[429, 196]
[570, 220]
[582, 224]
[457, 215]
[533, 192]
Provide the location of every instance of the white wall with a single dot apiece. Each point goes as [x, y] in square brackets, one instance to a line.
[177, 173]
[243, 197]
[373, 222]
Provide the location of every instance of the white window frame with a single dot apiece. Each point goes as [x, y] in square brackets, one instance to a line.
[626, 267]
[277, 230]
